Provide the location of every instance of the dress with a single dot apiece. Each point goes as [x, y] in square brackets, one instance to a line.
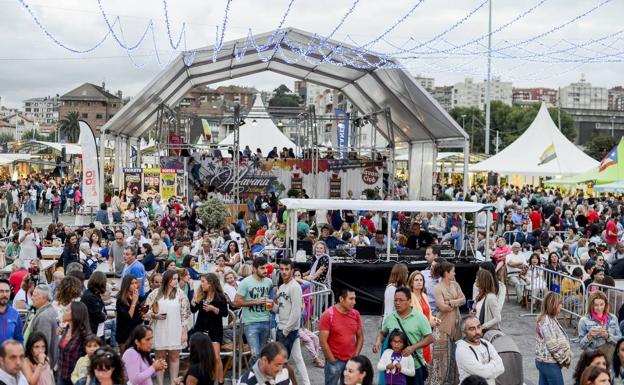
[28, 247]
[170, 333]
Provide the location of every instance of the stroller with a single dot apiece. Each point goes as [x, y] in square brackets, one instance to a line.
[511, 356]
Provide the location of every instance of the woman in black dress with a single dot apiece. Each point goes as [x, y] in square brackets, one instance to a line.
[211, 305]
[203, 363]
[93, 299]
[128, 310]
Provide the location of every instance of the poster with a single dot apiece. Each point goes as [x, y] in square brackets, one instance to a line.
[151, 181]
[342, 132]
[168, 183]
[132, 180]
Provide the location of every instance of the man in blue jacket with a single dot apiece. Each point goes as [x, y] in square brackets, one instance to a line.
[10, 321]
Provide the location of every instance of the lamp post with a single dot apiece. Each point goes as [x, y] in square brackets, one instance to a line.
[612, 126]
[463, 121]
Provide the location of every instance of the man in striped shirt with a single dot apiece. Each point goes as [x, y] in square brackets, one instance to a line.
[270, 368]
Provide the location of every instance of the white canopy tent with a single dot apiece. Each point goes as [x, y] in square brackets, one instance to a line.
[70, 148]
[294, 205]
[528, 155]
[6, 159]
[260, 133]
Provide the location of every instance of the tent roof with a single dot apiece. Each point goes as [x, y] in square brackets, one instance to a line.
[262, 134]
[415, 115]
[522, 157]
[10, 158]
[384, 206]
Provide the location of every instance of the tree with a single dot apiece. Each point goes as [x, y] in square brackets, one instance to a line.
[283, 97]
[69, 127]
[6, 137]
[33, 134]
[471, 118]
[600, 145]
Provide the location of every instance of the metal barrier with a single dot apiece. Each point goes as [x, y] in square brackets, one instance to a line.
[615, 296]
[319, 299]
[571, 289]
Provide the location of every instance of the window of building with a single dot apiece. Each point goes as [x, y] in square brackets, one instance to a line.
[99, 116]
[85, 115]
[114, 105]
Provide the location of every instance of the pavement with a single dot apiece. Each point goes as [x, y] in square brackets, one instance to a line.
[516, 322]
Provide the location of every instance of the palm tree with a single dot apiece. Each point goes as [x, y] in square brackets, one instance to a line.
[69, 128]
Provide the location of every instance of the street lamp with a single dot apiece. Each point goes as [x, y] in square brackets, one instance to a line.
[463, 120]
[612, 125]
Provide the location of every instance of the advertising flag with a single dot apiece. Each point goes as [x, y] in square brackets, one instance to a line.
[90, 169]
[342, 130]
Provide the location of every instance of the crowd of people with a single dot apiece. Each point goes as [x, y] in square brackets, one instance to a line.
[160, 297]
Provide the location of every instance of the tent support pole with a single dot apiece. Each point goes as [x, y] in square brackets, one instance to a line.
[388, 236]
[236, 154]
[487, 236]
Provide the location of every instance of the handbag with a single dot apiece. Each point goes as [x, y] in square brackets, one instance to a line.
[425, 369]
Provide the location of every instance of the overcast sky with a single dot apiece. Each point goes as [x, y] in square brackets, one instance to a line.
[32, 65]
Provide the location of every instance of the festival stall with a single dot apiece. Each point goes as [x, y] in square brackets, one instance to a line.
[541, 151]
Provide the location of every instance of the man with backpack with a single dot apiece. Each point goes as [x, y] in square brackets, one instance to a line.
[340, 335]
[474, 355]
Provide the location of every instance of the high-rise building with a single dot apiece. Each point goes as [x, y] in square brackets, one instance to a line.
[471, 94]
[426, 83]
[616, 98]
[444, 96]
[94, 104]
[523, 96]
[583, 95]
[45, 110]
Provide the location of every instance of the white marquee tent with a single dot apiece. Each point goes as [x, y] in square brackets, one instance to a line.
[261, 133]
[528, 155]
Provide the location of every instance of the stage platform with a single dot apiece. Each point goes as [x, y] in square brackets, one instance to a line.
[369, 280]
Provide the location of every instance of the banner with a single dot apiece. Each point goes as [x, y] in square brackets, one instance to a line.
[132, 180]
[91, 188]
[342, 130]
[151, 181]
[168, 183]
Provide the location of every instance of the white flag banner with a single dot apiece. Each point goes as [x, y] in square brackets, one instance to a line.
[90, 170]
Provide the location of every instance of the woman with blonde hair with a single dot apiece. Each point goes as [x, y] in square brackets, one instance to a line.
[398, 278]
[599, 329]
[322, 266]
[552, 348]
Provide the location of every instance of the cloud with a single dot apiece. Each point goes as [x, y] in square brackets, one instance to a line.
[38, 67]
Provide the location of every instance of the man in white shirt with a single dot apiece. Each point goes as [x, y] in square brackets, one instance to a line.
[514, 263]
[475, 355]
[11, 360]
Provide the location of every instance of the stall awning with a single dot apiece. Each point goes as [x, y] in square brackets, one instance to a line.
[384, 206]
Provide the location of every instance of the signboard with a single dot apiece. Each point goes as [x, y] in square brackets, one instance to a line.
[132, 180]
[90, 168]
[370, 175]
[342, 132]
[168, 183]
[151, 181]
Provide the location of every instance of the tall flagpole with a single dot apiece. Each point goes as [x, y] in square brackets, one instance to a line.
[488, 86]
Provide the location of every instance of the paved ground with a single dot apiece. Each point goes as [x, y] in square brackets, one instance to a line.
[521, 328]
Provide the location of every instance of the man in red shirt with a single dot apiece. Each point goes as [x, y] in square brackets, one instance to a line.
[340, 335]
[536, 218]
[611, 231]
[368, 223]
[17, 276]
[592, 216]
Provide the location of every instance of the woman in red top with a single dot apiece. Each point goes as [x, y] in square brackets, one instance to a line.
[416, 284]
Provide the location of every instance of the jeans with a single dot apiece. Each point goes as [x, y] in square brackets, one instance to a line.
[417, 379]
[334, 372]
[288, 340]
[299, 364]
[549, 374]
[257, 334]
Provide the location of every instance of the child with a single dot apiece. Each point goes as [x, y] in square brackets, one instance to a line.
[396, 368]
[92, 344]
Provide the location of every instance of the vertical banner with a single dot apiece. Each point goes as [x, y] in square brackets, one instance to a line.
[168, 183]
[132, 180]
[90, 170]
[342, 130]
[151, 181]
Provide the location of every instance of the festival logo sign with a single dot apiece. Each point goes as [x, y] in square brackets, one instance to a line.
[370, 175]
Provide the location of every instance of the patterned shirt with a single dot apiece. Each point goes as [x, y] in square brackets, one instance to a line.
[255, 377]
